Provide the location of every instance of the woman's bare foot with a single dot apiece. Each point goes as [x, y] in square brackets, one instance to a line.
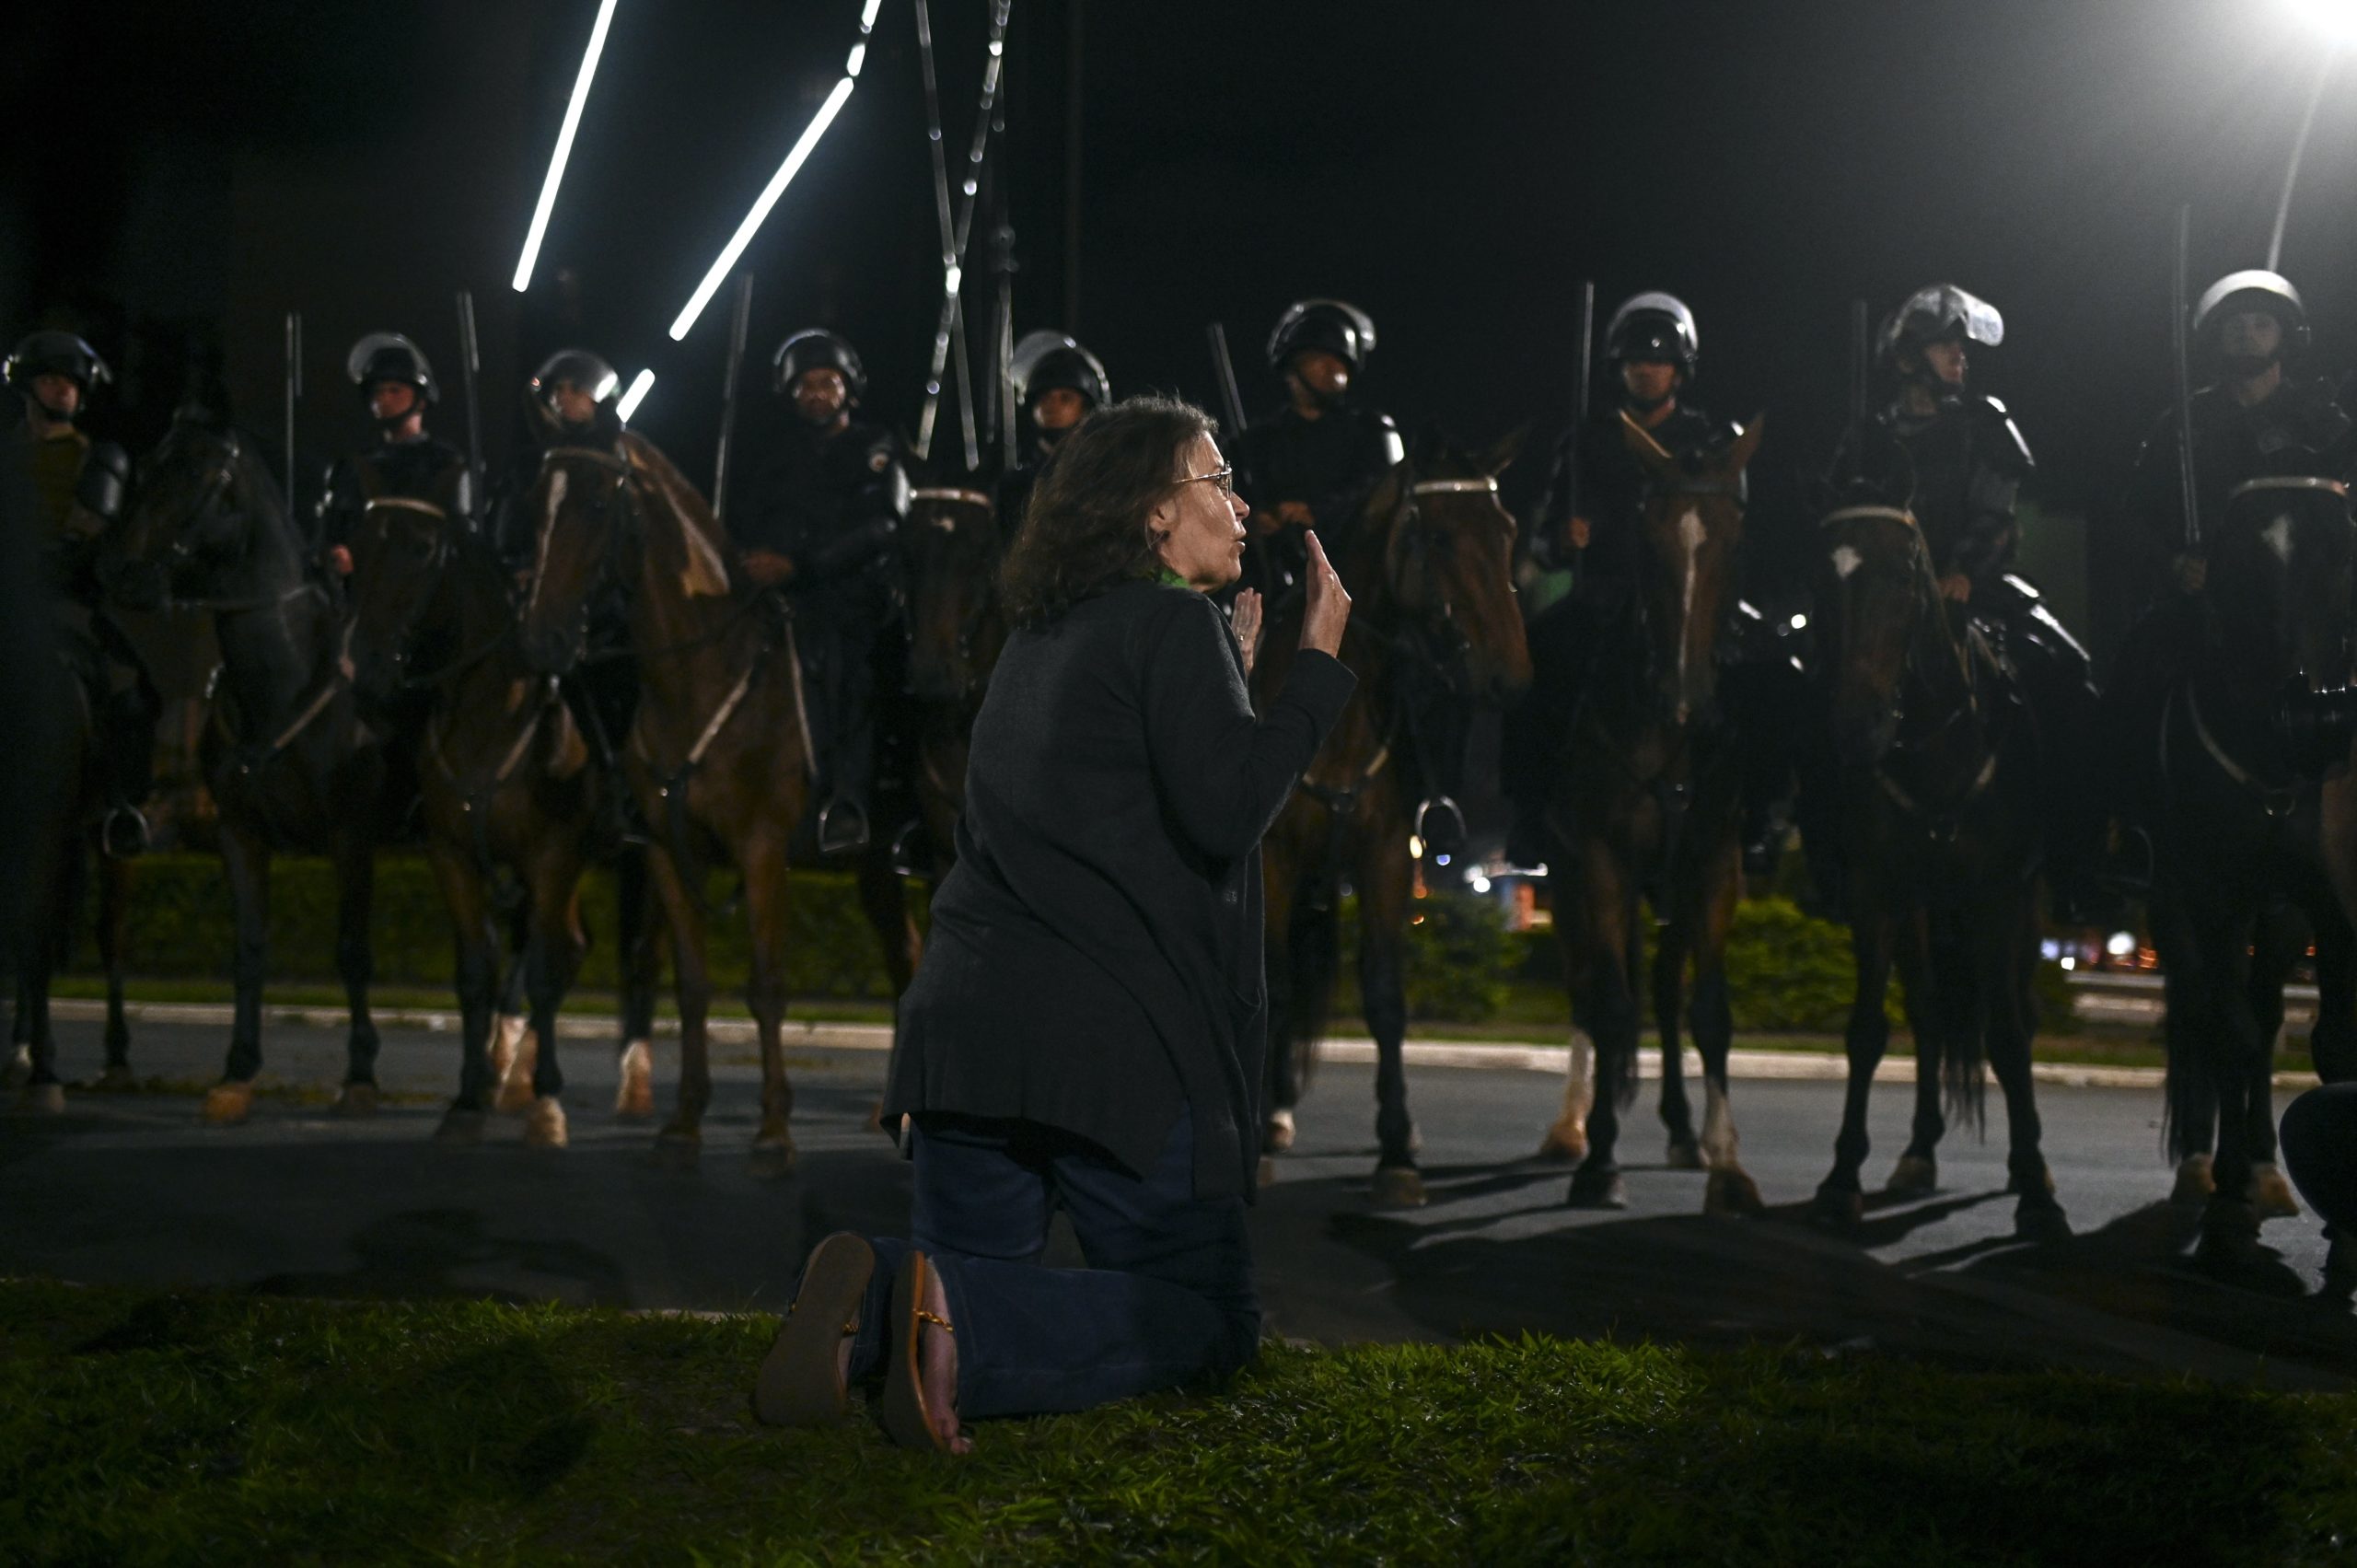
[937, 1356]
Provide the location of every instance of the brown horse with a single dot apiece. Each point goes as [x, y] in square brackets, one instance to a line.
[290, 758]
[1936, 770]
[718, 757]
[1646, 801]
[1428, 562]
[956, 631]
[504, 777]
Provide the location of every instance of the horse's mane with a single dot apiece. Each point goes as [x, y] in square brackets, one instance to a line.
[704, 571]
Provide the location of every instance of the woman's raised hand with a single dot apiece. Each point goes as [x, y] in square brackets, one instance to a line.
[1330, 606]
[1246, 621]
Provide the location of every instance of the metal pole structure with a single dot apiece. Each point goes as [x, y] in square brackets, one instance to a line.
[1072, 165]
[1582, 388]
[1861, 368]
[951, 324]
[740, 326]
[294, 390]
[2184, 377]
[2299, 150]
[469, 367]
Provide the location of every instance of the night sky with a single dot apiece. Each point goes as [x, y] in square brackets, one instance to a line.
[182, 176]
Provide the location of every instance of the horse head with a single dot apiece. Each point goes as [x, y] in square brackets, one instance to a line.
[2282, 565]
[1691, 527]
[201, 516]
[584, 521]
[954, 544]
[1875, 597]
[401, 561]
[1448, 562]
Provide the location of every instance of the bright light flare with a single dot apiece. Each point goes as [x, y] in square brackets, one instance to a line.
[540, 229]
[640, 385]
[2336, 19]
[794, 159]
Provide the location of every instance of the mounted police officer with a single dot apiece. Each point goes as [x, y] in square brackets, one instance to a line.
[1311, 463]
[406, 464]
[79, 486]
[823, 529]
[1956, 460]
[1057, 384]
[1592, 512]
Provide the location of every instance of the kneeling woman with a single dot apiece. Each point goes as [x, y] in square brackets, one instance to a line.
[1087, 1030]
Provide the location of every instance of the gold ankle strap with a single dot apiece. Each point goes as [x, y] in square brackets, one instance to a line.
[936, 1319]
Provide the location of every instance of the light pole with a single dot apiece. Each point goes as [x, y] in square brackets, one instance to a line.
[2336, 19]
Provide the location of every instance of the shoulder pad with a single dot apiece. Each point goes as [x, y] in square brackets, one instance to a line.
[106, 472]
[1385, 431]
[2009, 451]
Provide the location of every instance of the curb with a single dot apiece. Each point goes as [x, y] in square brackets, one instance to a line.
[1807, 1066]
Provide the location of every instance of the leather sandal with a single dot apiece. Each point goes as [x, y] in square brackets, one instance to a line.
[801, 1381]
[908, 1419]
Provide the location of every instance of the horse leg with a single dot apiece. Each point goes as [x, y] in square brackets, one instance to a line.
[1384, 883]
[2230, 1223]
[246, 860]
[44, 955]
[114, 922]
[1669, 995]
[1730, 1189]
[1840, 1201]
[2005, 938]
[553, 953]
[682, 1136]
[885, 903]
[639, 923]
[512, 1041]
[1281, 1078]
[762, 856]
[2190, 1102]
[477, 967]
[1928, 1001]
[2332, 1040]
[1598, 940]
[2281, 943]
[355, 877]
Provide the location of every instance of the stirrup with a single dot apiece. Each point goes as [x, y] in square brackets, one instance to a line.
[835, 840]
[124, 835]
[1451, 821]
[903, 851]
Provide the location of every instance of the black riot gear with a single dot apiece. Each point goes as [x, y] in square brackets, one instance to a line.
[584, 370]
[2254, 289]
[1939, 313]
[814, 348]
[1655, 329]
[1045, 361]
[388, 356]
[1343, 330]
[106, 475]
[589, 373]
[52, 353]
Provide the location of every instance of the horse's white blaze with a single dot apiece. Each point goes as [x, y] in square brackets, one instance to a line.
[2277, 534]
[1845, 560]
[1690, 534]
[1718, 1127]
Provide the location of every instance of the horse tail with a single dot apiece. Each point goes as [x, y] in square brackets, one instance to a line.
[1962, 1022]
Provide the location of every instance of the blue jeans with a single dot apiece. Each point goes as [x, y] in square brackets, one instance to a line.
[1168, 1297]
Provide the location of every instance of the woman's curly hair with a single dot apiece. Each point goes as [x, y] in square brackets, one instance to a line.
[1084, 529]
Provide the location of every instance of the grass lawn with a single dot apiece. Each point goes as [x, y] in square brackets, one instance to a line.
[137, 1427]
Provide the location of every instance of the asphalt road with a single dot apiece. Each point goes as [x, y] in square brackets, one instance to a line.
[135, 1189]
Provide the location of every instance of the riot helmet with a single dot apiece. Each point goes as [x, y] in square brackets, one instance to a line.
[1655, 328]
[1045, 361]
[389, 356]
[814, 348]
[53, 353]
[1329, 326]
[2252, 289]
[578, 367]
[1940, 313]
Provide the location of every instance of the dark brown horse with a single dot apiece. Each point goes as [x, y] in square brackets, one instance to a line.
[1647, 805]
[719, 756]
[1937, 766]
[290, 761]
[956, 631]
[2241, 828]
[504, 780]
[1428, 561]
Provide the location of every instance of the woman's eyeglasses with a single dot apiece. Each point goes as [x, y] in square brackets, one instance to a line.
[1223, 476]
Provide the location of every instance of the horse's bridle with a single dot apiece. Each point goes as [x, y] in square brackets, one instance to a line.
[179, 552]
[1435, 633]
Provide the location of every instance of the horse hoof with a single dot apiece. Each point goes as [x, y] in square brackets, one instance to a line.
[2195, 1180]
[1837, 1209]
[1565, 1144]
[2270, 1195]
[118, 1079]
[227, 1105]
[506, 1030]
[635, 1096]
[460, 1125]
[2229, 1231]
[1398, 1187]
[43, 1100]
[1278, 1136]
[20, 1071]
[773, 1156]
[1415, 1139]
[2037, 1217]
[678, 1148]
[1913, 1176]
[1731, 1192]
[1593, 1189]
[356, 1100]
[1685, 1154]
[2033, 1185]
[515, 1082]
[1267, 1175]
[544, 1127]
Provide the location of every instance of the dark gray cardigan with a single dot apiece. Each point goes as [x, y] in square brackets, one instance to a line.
[1095, 962]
